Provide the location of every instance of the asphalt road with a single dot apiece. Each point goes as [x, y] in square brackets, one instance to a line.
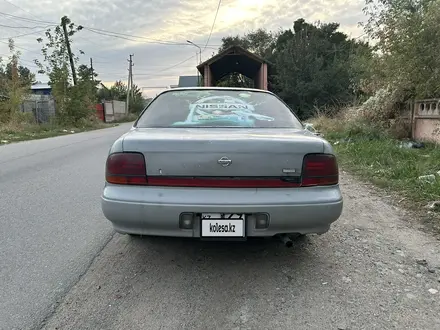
[376, 269]
[51, 225]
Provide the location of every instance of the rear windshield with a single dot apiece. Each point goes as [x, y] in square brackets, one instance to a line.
[218, 108]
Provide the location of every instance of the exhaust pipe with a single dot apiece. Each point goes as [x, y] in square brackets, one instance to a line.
[286, 240]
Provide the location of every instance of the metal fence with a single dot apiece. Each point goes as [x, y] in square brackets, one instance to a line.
[41, 106]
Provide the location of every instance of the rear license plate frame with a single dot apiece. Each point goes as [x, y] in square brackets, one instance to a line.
[220, 218]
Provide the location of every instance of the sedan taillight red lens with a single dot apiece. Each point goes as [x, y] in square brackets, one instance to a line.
[126, 168]
[319, 170]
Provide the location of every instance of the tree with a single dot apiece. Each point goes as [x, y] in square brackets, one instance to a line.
[260, 42]
[119, 92]
[314, 66]
[15, 83]
[26, 76]
[407, 43]
[310, 64]
[88, 82]
[75, 104]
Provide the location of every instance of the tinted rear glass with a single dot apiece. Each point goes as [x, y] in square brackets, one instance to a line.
[218, 108]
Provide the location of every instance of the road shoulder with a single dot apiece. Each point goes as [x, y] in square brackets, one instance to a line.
[375, 269]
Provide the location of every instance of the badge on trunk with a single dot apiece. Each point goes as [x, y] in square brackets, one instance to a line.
[224, 161]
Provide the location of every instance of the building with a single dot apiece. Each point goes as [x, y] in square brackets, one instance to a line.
[235, 59]
[41, 89]
[188, 81]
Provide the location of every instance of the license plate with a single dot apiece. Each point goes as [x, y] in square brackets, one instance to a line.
[222, 225]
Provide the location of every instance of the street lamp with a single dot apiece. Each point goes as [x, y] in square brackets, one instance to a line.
[199, 61]
[200, 50]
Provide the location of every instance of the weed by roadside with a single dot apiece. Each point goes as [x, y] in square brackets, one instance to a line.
[374, 155]
[25, 129]
[14, 132]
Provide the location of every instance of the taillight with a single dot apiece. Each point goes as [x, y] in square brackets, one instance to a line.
[126, 168]
[319, 170]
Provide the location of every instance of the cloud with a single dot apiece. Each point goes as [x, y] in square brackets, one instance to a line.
[157, 22]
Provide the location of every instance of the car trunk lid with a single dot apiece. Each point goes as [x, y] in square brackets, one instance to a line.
[222, 152]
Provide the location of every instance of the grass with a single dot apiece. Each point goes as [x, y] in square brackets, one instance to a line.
[10, 133]
[16, 132]
[386, 165]
[372, 155]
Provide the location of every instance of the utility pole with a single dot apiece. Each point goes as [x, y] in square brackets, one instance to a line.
[131, 83]
[198, 75]
[130, 79]
[198, 60]
[92, 73]
[66, 38]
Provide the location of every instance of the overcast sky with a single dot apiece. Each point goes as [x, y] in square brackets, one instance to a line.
[160, 29]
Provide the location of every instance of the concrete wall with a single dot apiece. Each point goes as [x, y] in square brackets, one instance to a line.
[114, 110]
[426, 120]
[119, 107]
[108, 111]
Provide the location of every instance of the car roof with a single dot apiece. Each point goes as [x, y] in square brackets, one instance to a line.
[215, 88]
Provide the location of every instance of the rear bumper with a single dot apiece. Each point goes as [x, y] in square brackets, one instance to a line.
[156, 210]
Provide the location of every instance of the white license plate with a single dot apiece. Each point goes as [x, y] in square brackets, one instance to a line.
[222, 225]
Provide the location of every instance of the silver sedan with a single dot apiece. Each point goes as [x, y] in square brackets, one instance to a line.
[221, 163]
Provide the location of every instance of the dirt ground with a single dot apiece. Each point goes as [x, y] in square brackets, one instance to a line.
[375, 269]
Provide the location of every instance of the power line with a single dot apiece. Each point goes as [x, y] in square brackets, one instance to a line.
[12, 20]
[128, 36]
[118, 34]
[155, 74]
[18, 7]
[173, 66]
[27, 19]
[213, 23]
[111, 33]
[20, 47]
[23, 27]
[52, 24]
[134, 40]
[141, 67]
[20, 59]
[23, 35]
[114, 34]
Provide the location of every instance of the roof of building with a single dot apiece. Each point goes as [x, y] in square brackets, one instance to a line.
[244, 89]
[188, 81]
[41, 86]
[233, 59]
